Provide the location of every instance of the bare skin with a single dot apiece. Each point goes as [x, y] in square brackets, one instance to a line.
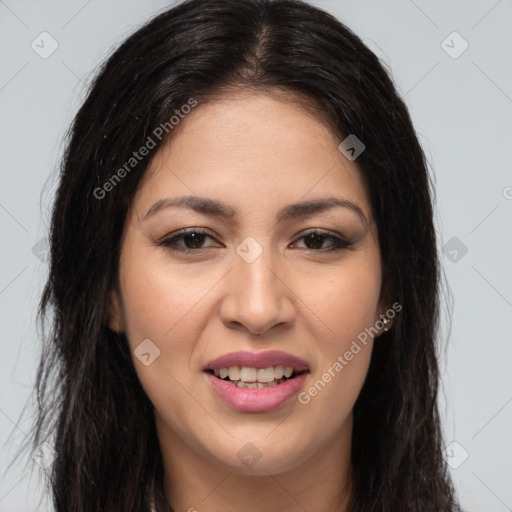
[256, 154]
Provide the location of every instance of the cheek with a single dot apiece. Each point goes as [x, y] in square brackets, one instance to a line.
[346, 302]
[346, 305]
[155, 300]
[165, 308]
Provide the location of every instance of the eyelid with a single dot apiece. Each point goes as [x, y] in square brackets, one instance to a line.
[340, 242]
[319, 231]
[168, 239]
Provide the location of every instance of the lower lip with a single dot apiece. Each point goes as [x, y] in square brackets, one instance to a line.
[259, 399]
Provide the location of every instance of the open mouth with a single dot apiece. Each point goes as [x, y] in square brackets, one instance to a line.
[250, 385]
[258, 381]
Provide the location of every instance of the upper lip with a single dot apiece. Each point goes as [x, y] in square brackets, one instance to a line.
[258, 360]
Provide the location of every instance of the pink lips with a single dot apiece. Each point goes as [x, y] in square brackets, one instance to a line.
[259, 399]
[258, 360]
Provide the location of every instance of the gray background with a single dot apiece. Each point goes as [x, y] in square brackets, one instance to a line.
[462, 110]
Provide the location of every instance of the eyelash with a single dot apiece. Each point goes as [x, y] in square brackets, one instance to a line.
[170, 242]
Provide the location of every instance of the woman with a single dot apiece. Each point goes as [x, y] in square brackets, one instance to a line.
[244, 282]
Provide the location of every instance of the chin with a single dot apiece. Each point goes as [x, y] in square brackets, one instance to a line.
[260, 458]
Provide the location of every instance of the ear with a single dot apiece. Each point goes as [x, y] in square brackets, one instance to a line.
[113, 314]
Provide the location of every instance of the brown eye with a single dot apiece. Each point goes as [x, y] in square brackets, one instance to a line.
[188, 241]
[315, 240]
[193, 240]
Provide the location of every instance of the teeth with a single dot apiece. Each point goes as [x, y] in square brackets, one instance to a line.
[248, 385]
[247, 374]
[234, 373]
[279, 372]
[254, 375]
[265, 374]
[254, 385]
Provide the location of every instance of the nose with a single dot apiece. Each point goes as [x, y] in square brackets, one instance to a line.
[257, 297]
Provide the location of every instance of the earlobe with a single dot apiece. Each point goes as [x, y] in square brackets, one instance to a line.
[383, 323]
[385, 320]
[387, 323]
[114, 318]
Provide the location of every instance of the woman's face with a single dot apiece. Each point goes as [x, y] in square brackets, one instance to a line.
[256, 279]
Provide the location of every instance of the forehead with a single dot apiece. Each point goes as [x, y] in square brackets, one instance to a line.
[255, 147]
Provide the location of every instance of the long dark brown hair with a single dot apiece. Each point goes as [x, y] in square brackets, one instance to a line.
[90, 401]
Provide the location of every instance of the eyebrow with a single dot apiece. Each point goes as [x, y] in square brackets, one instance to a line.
[293, 211]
